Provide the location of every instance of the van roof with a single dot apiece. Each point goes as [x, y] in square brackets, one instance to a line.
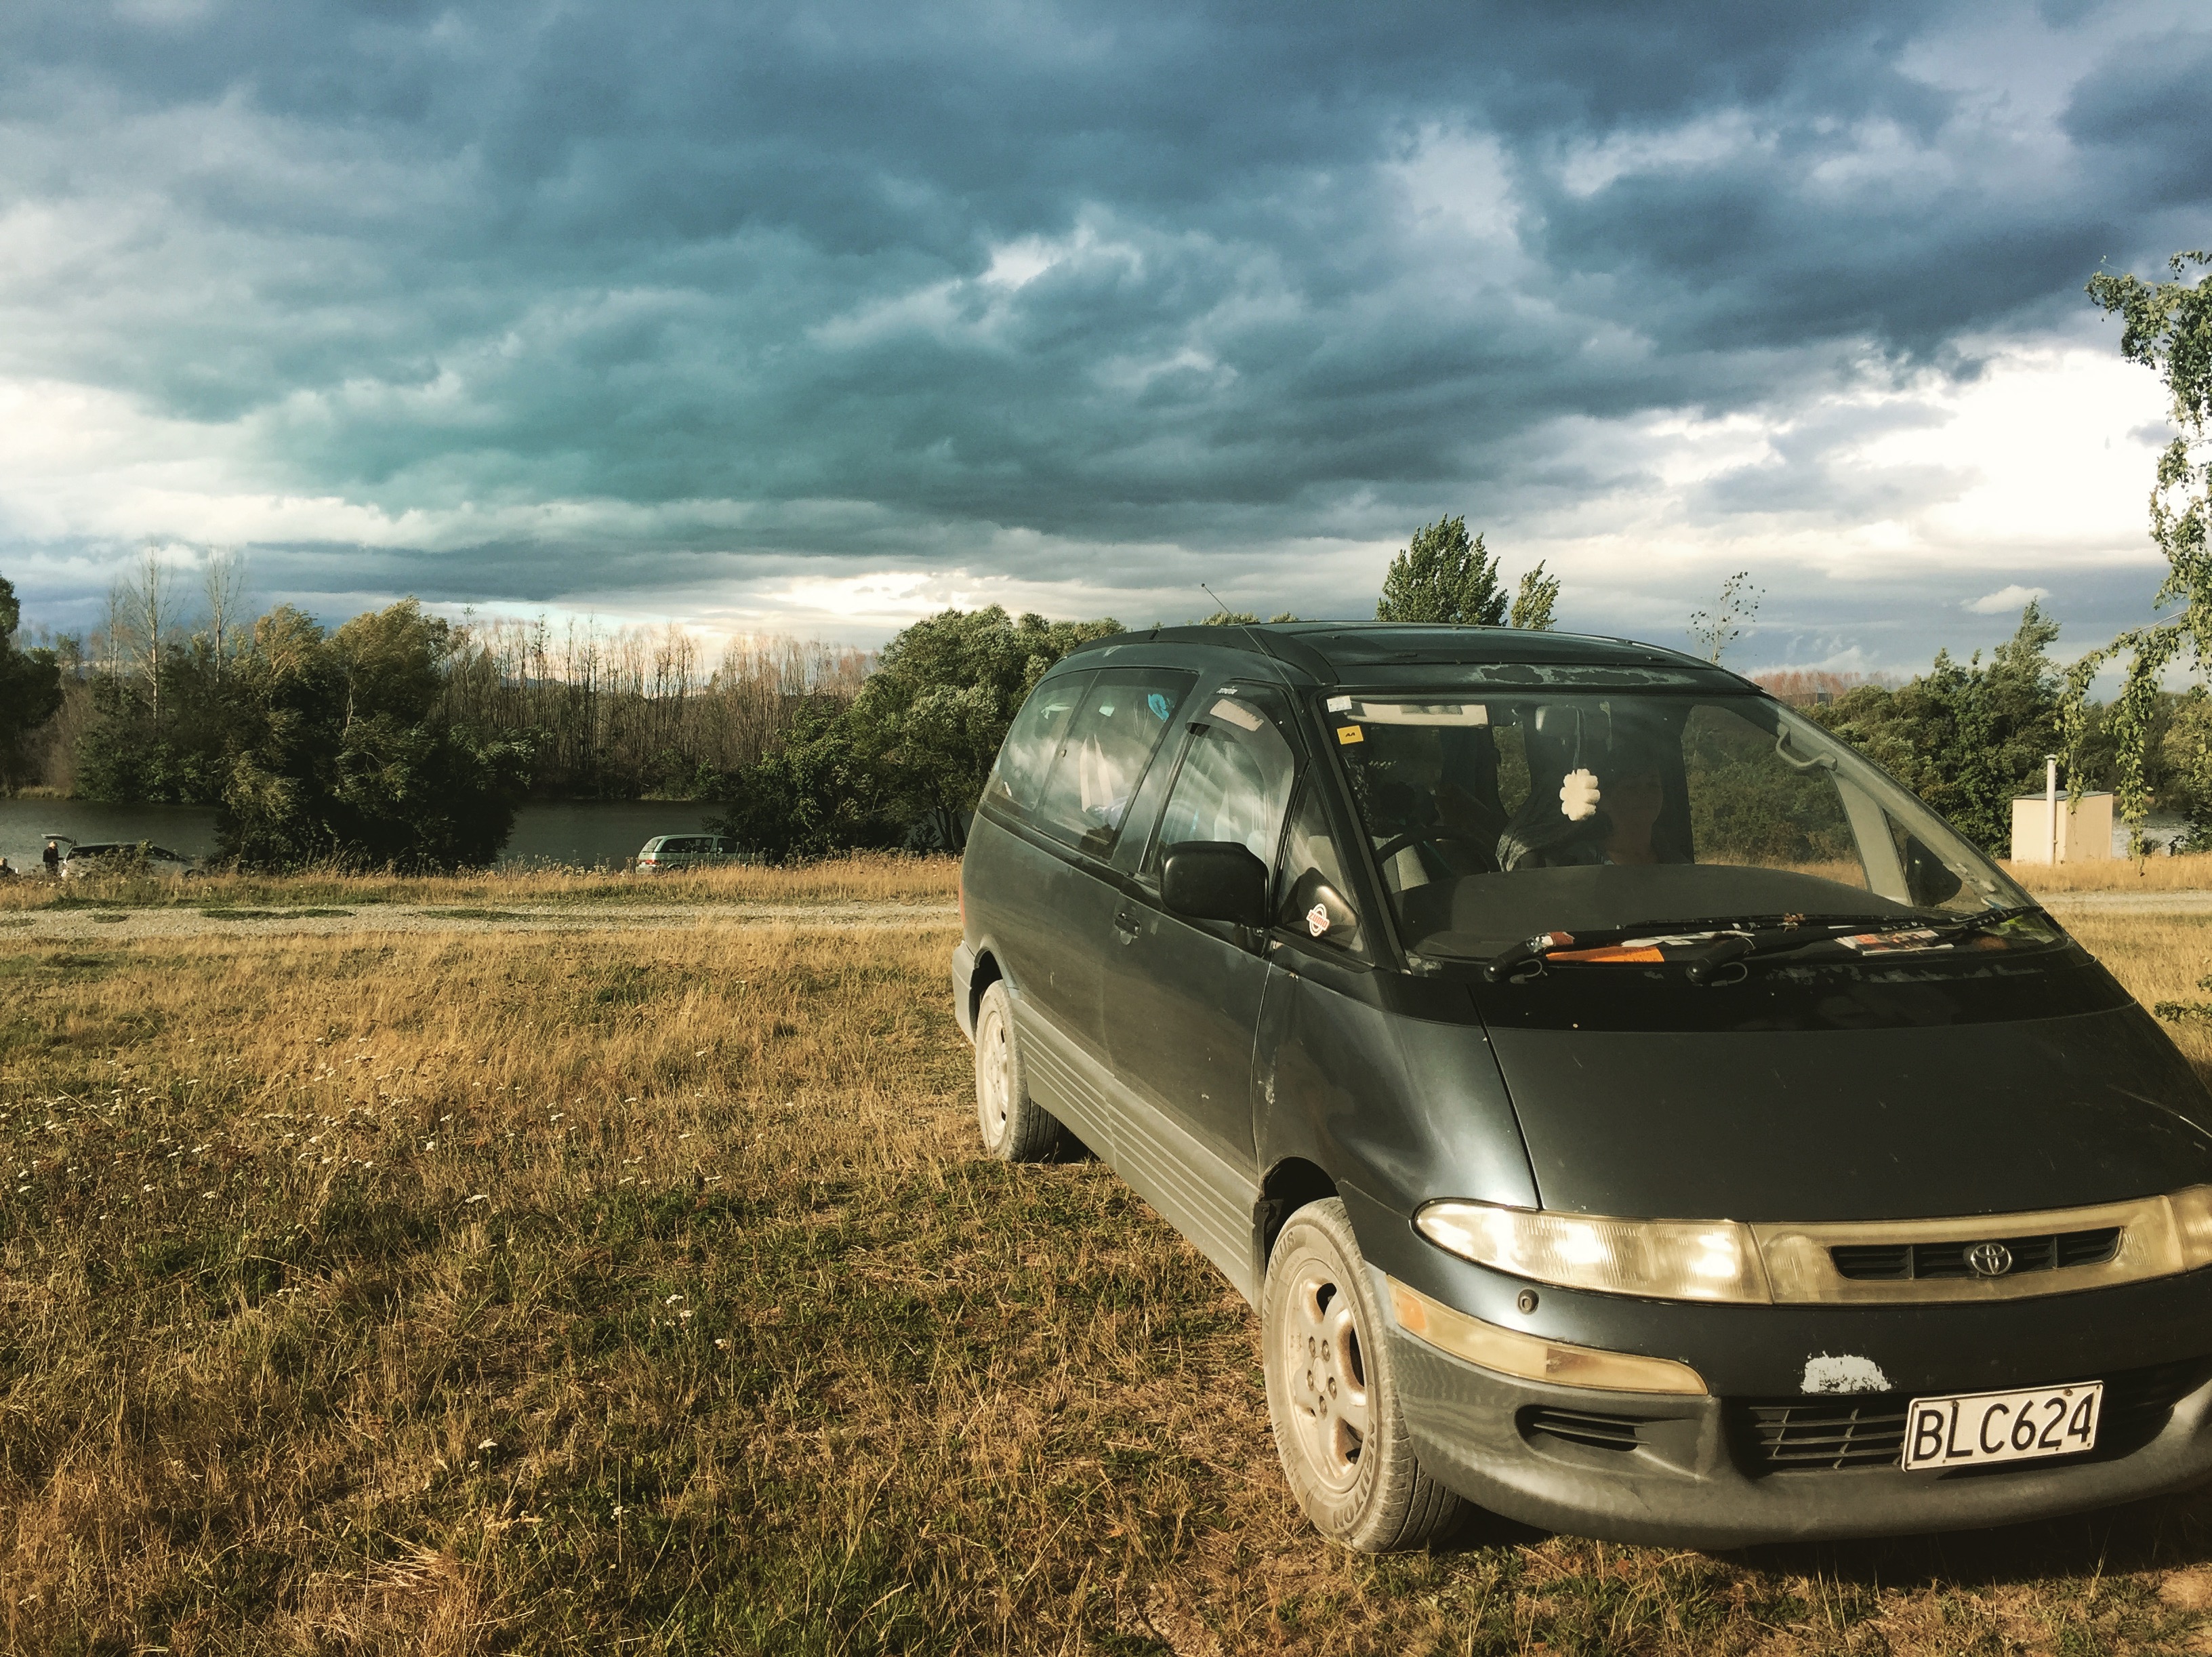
[1327, 652]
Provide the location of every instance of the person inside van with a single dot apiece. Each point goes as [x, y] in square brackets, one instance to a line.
[1415, 792]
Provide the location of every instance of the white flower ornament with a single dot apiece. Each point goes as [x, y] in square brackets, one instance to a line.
[1578, 795]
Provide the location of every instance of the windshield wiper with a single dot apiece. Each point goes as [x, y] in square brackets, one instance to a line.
[1956, 926]
[1508, 961]
[1740, 939]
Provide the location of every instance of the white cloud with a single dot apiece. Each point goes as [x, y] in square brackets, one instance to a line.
[2005, 600]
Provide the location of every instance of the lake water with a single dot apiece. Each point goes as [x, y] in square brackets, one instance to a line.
[585, 834]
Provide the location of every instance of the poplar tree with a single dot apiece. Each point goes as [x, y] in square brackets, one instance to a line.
[1533, 604]
[1444, 577]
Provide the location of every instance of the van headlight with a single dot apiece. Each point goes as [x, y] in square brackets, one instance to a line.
[2192, 1225]
[1662, 1259]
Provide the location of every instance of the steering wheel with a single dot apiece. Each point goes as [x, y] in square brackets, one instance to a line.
[1398, 843]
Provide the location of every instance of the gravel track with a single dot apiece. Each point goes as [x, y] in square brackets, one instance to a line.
[2128, 903]
[74, 925]
[97, 925]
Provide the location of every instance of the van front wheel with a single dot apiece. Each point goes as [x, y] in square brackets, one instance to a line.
[1016, 1128]
[1332, 1394]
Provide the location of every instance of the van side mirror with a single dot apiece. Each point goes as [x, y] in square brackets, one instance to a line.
[1215, 880]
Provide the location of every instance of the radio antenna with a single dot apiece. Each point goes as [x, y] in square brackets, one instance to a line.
[1251, 638]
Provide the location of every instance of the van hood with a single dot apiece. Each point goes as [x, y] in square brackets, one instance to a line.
[1894, 1124]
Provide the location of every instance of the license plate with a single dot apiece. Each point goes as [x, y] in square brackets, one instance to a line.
[1976, 1429]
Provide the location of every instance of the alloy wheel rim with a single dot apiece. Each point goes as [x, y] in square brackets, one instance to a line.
[992, 1087]
[1330, 1404]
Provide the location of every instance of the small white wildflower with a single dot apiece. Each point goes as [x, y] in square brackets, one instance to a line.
[671, 1300]
[489, 1444]
[480, 1197]
[702, 1053]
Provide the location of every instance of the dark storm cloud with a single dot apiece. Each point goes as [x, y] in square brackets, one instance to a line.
[2143, 112]
[872, 282]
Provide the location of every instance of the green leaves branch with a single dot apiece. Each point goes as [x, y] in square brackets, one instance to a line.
[2167, 328]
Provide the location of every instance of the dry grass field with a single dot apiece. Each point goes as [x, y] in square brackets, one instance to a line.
[460, 1292]
[2158, 874]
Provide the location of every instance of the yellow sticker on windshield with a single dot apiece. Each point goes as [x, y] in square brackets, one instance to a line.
[1350, 733]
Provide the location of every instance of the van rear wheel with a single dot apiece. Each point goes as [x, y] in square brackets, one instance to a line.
[1332, 1394]
[1016, 1128]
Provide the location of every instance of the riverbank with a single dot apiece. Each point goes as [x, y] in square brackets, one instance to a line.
[574, 834]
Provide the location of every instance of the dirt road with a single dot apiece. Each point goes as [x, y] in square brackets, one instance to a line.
[74, 925]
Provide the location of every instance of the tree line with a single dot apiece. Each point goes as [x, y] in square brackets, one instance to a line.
[401, 740]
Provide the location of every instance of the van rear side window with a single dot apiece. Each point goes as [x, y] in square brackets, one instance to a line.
[1109, 744]
[1025, 761]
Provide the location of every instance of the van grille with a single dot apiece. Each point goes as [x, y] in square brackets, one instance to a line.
[1597, 1432]
[1821, 1434]
[1897, 1262]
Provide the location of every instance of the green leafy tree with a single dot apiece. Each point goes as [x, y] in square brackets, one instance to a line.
[915, 746]
[811, 796]
[1967, 740]
[1443, 576]
[1533, 604]
[30, 693]
[343, 753]
[2166, 327]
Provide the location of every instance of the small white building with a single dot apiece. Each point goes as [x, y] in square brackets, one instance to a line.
[2085, 829]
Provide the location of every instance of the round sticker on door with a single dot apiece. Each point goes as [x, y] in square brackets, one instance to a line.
[1317, 919]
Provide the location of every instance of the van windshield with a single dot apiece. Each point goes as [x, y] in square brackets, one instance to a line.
[1503, 818]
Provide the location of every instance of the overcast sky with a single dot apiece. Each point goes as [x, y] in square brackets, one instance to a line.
[814, 319]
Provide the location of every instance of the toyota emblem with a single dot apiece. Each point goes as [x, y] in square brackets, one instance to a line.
[1989, 1259]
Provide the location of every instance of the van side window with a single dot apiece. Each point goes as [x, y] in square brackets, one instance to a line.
[1025, 760]
[1234, 782]
[1104, 754]
[1312, 898]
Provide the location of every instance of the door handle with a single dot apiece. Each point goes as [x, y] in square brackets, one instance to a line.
[1125, 925]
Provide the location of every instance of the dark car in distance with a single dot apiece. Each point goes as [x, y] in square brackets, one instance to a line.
[1630, 1111]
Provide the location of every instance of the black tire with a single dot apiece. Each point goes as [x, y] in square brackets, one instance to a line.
[1016, 1128]
[1332, 1394]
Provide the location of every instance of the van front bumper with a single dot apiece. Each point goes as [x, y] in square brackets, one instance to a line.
[1691, 1471]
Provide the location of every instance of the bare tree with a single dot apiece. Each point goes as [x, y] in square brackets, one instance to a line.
[1716, 628]
[144, 607]
[223, 584]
